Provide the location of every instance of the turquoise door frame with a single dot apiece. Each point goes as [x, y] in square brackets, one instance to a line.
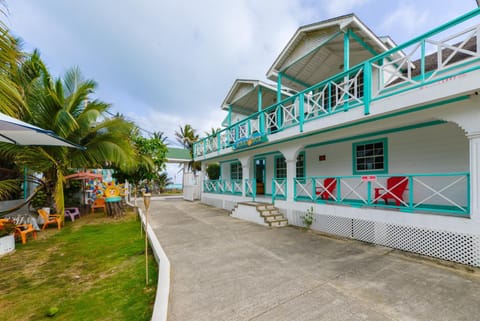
[260, 161]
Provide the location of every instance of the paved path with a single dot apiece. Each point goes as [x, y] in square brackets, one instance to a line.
[227, 269]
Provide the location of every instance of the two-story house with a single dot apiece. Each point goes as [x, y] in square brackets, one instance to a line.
[381, 140]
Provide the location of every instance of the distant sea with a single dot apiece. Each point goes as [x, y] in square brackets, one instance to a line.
[174, 186]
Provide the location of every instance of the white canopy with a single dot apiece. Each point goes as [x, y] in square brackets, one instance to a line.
[17, 132]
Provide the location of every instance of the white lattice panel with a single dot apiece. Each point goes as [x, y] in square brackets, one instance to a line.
[456, 247]
[333, 224]
[363, 230]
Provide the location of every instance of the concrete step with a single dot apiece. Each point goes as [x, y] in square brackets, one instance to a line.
[263, 207]
[278, 223]
[271, 218]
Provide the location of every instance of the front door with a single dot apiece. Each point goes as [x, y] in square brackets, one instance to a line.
[260, 175]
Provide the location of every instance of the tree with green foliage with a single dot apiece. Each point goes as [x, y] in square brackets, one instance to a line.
[213, 171]
[187, 136]
[150, 159]
[64, 106]
[163, 181]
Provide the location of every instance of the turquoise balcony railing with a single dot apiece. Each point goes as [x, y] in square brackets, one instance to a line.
[223, 186]
[446, 193]
[279, 189]
[436, 56]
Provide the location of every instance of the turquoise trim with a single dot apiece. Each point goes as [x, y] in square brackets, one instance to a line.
[259, 99]
[408, 206]
[335, 35]
[355, 171]
[368, 120]
[279, 87]
[378, 133]
[276, 196]
[386, 55]
[363, 43]
[263, 155]
[367, 85]
[346, 50]
[235, 160]
[25, 182]
[230, 116]
[304, 84]
[301, 107]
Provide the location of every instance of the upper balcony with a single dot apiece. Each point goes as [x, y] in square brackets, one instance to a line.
[374, 86]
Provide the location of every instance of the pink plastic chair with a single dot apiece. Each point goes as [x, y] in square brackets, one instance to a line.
[72, 212]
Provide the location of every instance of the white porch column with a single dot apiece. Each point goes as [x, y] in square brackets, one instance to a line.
[291, 173]
[201, 177]
[246, 164]
[474, 141]
[290, 153]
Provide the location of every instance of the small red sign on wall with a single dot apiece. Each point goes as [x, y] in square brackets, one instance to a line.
[322, 157]
[369, 178]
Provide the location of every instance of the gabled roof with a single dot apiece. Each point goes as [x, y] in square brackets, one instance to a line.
[178, 155]
[315, 52]
[243, 96]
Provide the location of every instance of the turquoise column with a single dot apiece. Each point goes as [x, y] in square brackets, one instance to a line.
[279, 87]
[367, 87]
[279, 99]
[229, 115]
[346, 50]
[346, 62]
[259, 108]
[25, 183]
[301, 107]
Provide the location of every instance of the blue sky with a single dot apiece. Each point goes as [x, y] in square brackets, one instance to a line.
[167, 63]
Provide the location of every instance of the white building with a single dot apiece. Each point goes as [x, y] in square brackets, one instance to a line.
[350, 109]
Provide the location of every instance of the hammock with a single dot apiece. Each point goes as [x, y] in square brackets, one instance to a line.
[19, 206]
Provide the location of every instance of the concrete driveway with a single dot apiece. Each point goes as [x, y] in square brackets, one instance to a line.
[227, 269]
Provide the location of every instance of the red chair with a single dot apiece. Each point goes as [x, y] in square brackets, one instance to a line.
[396, 186]
[326, 191]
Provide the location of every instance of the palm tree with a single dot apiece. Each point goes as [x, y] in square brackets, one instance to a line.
[213, 131]
[163, 181]
[10, 56]
[63, 106]
[161, 137]
[186, 137]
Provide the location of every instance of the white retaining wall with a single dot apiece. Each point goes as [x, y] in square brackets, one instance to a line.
[160, 308]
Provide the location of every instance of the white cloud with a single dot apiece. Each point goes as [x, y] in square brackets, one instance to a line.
[167, 63]
[407, 18]
[336, 8]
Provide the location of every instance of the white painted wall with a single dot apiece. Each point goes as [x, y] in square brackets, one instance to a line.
[434, 149]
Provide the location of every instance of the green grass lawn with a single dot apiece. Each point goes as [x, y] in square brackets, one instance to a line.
[93, 269]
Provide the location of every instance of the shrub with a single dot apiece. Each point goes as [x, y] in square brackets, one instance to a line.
[308, 218]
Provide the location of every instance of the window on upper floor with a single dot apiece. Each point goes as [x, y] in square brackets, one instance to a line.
[370, 157]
